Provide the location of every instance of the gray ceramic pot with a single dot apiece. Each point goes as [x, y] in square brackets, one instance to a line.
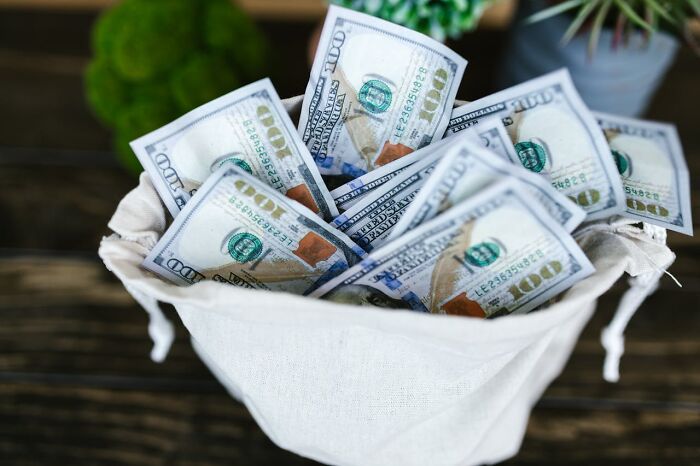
[620, 81]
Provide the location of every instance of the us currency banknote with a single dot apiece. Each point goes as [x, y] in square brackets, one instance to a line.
[240, 231]
[369, 222]
[649, 159]
[465, 170]
[377, 92]
[554, 135]
[495, 254]
[490, 133]
[248, 128]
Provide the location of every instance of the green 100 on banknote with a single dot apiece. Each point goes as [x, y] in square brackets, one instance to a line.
[377, 92]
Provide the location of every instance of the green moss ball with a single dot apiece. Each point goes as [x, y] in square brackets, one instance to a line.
[155, 37]
[230, 31]
[158, 59]
[106, 93]
[200, 79]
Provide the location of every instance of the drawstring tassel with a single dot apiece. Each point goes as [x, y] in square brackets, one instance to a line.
[613, 336]
[160, 329]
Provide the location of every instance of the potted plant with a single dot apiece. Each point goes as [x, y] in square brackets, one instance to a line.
[618, 51]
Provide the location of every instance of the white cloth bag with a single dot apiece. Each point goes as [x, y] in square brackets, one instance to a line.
[349, 385]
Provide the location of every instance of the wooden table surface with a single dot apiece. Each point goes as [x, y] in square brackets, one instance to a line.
[76, 384]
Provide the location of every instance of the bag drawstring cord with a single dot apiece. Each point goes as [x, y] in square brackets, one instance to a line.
[160, 329]
[613, 336]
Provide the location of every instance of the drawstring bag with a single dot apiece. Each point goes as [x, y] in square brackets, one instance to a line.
[353, 385]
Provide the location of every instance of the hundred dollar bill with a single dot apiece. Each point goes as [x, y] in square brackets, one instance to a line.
[248, 128]
[554, 135]
[237, 230]
[649, 158]
[495, 254]
[369, 222]
[377, 92]
[465, 170]
[490, 133]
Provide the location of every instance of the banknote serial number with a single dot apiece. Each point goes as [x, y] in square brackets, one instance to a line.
[570, 181]
[642, 193]
[507, 275]
[273, 178]
[242, 206]
[411, 99]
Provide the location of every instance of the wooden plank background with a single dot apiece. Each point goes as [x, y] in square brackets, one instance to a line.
[76, 384]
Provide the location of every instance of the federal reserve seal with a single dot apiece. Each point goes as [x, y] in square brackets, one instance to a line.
[482, 254]
[375, 96]
[244, 247]
[532, 155]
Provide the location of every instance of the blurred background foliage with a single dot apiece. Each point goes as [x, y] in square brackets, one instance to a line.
[439, 19]
[157, 59]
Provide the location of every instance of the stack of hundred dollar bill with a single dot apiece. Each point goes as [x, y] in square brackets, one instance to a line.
[468, 210]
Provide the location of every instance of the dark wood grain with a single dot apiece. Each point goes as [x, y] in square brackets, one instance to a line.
[62, 208]
[616, 436]
[43, 423]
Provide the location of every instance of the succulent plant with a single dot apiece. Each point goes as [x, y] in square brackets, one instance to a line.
[437, 18]
[624, 16]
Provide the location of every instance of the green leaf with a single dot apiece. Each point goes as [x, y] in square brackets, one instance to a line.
[660, 10]
[582, 15]
[597, 26]
[633, 16]
[554, 10]
[651, 19]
